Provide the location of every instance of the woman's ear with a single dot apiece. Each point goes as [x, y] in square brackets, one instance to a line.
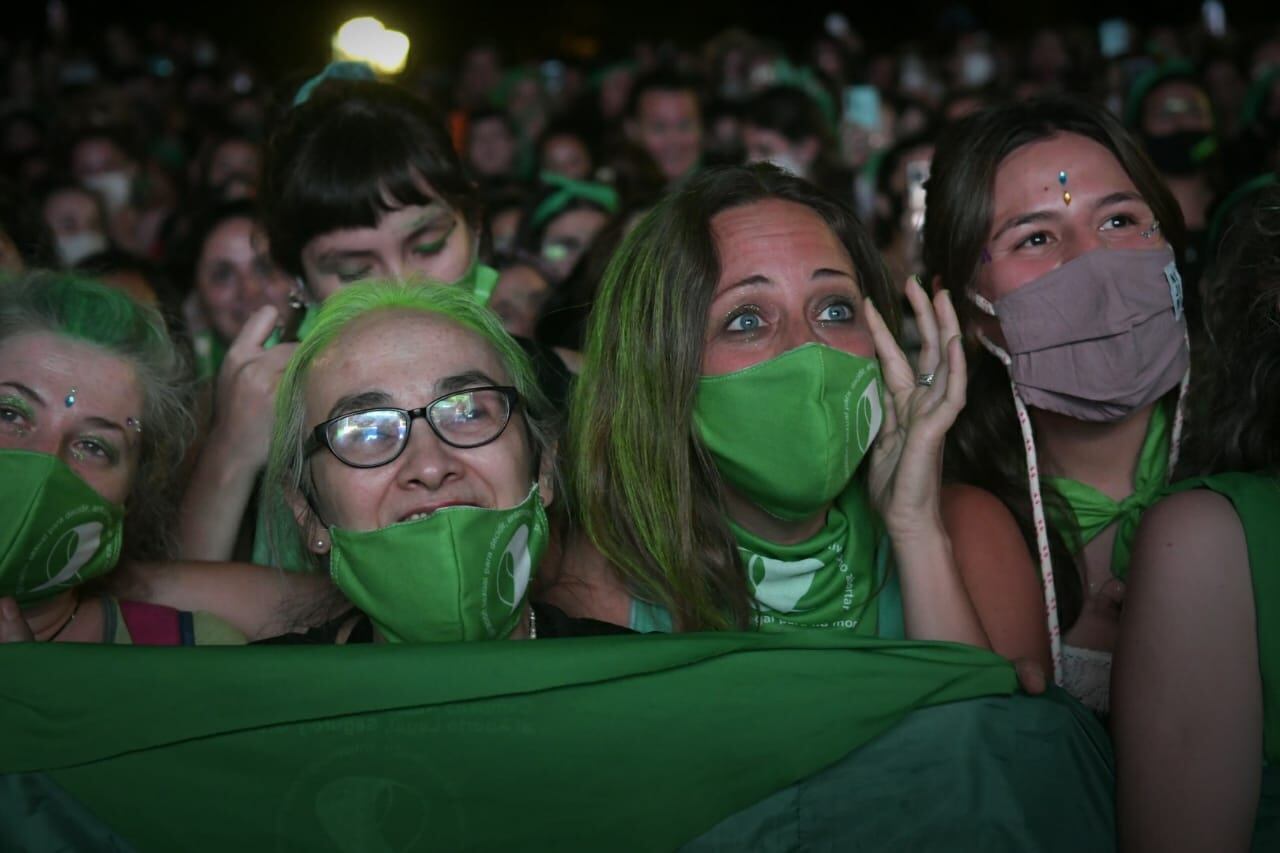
[315, 533]
[547, 476]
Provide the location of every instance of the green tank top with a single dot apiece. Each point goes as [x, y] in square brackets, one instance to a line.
[1256, 498]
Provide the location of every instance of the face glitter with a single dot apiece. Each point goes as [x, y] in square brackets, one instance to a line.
[1150, 232]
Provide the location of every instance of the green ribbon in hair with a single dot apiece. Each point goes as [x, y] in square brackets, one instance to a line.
[343, 70]
[569, 190]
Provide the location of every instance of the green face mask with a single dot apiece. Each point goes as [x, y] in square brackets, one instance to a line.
[461, 573]
[61, 534]
[788, 433]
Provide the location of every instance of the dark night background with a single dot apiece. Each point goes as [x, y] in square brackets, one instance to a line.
[286, 35]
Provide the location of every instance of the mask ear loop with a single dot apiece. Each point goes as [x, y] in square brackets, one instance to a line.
[1037, 503]
[1179, 413]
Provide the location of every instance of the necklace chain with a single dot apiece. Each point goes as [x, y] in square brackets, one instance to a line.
[67, 624]
[533, 624]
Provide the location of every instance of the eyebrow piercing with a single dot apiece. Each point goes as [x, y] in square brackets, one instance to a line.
[134, 424]
[71, 398]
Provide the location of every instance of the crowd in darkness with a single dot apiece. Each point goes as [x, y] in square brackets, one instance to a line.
[970, 339]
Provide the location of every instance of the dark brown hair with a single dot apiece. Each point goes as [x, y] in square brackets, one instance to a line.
[985, 446]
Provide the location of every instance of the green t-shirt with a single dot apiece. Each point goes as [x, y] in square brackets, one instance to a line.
[1256, 498]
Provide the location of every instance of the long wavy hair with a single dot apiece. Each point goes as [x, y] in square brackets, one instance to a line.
[985, 446]
[643, 488]
[1235, 391]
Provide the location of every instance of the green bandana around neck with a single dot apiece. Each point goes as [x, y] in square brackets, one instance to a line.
[788, 433]
[827, 581]
[462, 573]
[1094, 512]
[58, 534]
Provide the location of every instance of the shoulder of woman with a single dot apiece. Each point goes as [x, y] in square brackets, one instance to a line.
[985, 537]
[966, 507]
[1187, 529]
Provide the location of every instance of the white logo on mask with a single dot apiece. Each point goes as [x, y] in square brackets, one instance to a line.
[518, 564]
[780, 585]
[870, 413]
[77, 547]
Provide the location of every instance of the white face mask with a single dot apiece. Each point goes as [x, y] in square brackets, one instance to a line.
[114, 188]
[74, 248]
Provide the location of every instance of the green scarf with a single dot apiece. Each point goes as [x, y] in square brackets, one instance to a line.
[1094, 512]
[828, 581]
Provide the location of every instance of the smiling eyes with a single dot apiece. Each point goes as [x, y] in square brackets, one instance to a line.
[18, 421]
[1117, 225]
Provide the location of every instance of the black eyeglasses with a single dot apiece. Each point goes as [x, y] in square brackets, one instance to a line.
[372, 437]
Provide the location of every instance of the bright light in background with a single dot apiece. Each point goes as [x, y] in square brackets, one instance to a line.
[367, 40]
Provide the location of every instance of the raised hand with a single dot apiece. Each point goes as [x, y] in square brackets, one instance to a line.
[905, 476]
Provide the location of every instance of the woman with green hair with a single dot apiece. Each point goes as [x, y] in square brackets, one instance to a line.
[94, 421]
[433, 529]
[738, 374]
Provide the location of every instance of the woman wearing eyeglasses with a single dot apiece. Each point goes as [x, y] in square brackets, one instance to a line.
[411, 452]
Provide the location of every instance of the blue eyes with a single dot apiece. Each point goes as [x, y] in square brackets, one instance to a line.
[837, 313]
[749, 319]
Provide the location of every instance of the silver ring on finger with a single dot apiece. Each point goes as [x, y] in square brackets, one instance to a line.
[925, 380]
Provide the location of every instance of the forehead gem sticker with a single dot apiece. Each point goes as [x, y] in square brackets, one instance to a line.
[71, 398]
[1062, 178]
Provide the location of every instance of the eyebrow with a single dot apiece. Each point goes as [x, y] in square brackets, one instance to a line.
[757, 280]
[1045, 215]
[104, 423]
[356, 402]
[466, 379]
[25, 391]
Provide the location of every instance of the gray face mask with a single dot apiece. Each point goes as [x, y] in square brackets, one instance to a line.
[1097, 338]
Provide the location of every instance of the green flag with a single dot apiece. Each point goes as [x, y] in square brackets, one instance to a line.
[604, 743]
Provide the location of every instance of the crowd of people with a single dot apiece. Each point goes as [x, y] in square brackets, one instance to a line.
[971, 341]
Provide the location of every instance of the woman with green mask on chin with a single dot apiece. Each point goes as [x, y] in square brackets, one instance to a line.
[93, 423]
[746, 430]
[411, 449]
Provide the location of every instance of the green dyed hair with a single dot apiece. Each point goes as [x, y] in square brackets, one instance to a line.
[287, 464]
[61, 304]
[643, 488]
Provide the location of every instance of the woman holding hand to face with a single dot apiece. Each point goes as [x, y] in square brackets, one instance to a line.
[1058, 239]
[746, 429]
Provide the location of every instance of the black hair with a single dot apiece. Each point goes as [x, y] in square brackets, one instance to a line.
[354, 151]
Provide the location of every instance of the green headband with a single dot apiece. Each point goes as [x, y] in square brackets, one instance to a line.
[569, 190]
[344, 70]
[1148, 81]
